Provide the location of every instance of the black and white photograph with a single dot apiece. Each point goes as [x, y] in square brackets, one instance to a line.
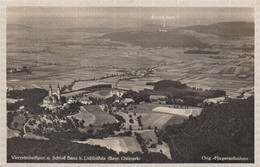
[119, 84]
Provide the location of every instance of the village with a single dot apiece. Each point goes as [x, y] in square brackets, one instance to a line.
[105, 115]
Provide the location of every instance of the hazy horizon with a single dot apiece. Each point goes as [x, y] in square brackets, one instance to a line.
[116, 17]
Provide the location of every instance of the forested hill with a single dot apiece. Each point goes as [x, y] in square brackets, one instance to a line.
[225, 28]
[148, 39]
[224, 130]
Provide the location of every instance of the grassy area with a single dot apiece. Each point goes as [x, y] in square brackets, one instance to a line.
[147, 135]
[102, 93]
[127, 122]
[146, 107]
[101, 116]
[155, 120]
[86, 116]
[85, 84]
[118, 144]
[76, 93]
[179, 111]
[12, 133]
[156, 39]
[151, 139]
[174, 120]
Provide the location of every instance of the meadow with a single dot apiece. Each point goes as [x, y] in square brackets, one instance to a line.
[86, 116]
[101, 116]
[118, 144]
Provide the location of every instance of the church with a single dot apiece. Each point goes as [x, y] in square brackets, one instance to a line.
[52, 98]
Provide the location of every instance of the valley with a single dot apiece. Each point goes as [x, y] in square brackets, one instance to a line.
[121, 91]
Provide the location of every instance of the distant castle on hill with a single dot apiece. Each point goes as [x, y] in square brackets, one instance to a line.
[52, 98]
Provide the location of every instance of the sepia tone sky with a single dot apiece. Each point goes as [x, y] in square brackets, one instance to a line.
[58, 17]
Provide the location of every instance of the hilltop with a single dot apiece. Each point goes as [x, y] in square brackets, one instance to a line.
[225, 28]
[149, 35]
[149, 39]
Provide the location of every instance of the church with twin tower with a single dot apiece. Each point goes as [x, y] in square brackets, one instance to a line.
[53, 98]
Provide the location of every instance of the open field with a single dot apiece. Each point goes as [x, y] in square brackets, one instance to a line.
[157, 115]
[10, 100]
[74, 93]
[147, 135]
[178, 111]
[164, 149]
[127, 122]
[119, 144]
[86, 116]
[148, 107]
[85, 84]
[12, 133]
[150, 137]
[33, 136]
[127, 118]
[137, 83]
[83, 59]
[175, 120]
[103, 93]
[153, 120]
[100, 115]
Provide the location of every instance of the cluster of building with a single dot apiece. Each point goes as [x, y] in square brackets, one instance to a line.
[17, 70]
[54, 99]
[143, 71]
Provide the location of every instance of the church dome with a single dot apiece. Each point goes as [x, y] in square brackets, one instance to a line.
[47, 98]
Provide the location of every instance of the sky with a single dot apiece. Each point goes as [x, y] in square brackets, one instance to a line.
[57, 17]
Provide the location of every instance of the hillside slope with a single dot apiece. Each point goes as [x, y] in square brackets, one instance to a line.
[225, 28]
[224, 130]
[148, 39]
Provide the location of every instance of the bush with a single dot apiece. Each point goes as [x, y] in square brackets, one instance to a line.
[131, 121]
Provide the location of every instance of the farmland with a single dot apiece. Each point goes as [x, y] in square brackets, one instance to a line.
[48, 66]
[175, 120]
[149, 107]
[120, 144]
[153, 120]
[86, 116]
[177, 111]
[101, 116]
[157, 115]
[146, 107]
[150, 137]
[128, 117]
[105, 93]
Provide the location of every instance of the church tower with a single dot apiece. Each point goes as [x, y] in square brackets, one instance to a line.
[58, 92]
[50, 90]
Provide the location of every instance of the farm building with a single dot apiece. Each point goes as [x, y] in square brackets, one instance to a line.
[85, 100]
[127, 100]
[214, 100]
[117, 92]
[158, 97]
[71, 100]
